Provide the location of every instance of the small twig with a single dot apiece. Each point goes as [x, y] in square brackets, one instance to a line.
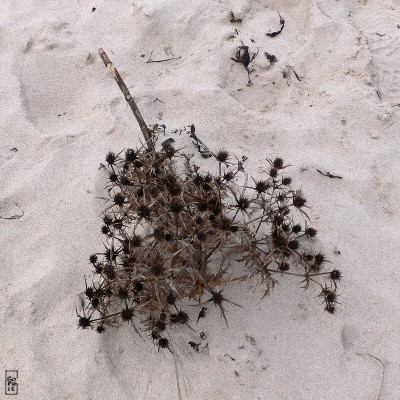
[128, 97]
[201, 147]
[289, 66]
[329, 175]
[233, 359]
[150, 60]
[383, 372]
[176, 368]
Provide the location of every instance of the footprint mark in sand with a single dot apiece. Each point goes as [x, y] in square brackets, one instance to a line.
[349, 336]
[249, 359]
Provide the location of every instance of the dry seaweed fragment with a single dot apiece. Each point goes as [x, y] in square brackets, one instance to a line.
[282, 24]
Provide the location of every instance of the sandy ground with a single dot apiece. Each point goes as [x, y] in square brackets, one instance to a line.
[61, 112]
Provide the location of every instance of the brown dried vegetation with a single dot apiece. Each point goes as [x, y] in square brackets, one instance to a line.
[175, 233]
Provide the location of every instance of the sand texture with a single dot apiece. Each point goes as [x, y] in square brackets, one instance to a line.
[61, 112]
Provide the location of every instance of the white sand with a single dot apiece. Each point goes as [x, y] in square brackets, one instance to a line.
[62, 111]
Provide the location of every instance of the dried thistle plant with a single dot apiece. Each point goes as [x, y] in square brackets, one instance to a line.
[174, 232]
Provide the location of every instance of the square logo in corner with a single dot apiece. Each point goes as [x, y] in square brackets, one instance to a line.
[11, 382]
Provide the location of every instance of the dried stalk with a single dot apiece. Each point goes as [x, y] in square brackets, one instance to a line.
[128, 97]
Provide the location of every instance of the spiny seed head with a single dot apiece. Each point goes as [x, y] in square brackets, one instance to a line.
[286, 181]
[175, 189]
[284, 267]
[311, 232]
[157, 268]
[143, 211]
[139, 192]
[100, 329]
[111, 158]
[109, 271]
[298, 200]
[136, 240]
[281, 197]
[336, 275]
[169, 150]
[278, 163]
[293, 244]
[176, 206]
[105, 229]
[217, 297]
[107, 220]
[234, 228]
[222, 156]
[138, 287]
[228, 176]
[225, 224]
[93, 258]
[168, 236]
[163, 343]
[286, 227]
[315, 267]
[243, 203]
[89, 292]
[118, 223]
[309, 257]
[169, 180]
[158, 233]
[154, 191]
[110, 254]
[199, 220]
[320, 258]
[119, 199]
[160, 325]
[202, 205]
[280, 241]
[330, 308]
[201, 236]
[123, 293]
[273, 173]
[216, 208]
[98, 269]
[130, 155]
[261, 186]
[331, 297]
[296, 228]
[113, 177]
[125, 181]
[278, 219]
[171, 299]
[126, 314]
[84, 322]
[182, 317]
[95, 302]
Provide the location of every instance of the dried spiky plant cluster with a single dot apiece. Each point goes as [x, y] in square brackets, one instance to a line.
[174, 232]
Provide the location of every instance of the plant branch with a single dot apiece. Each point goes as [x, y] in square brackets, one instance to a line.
[128, 97]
